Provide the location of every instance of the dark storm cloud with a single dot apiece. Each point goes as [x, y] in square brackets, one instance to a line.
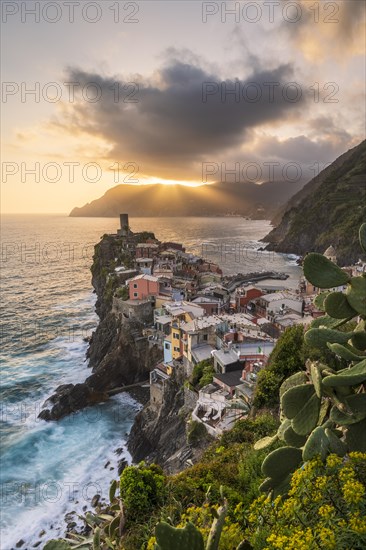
[173, 124]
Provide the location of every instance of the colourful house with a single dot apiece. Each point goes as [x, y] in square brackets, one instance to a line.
[143, 286]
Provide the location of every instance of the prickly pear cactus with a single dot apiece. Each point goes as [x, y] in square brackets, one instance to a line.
[323, 410]
[169, 537]
[57, 545]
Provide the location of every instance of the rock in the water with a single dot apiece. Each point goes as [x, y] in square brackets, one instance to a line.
[122, 465]
[45, 415]
[20, 543]
[95, 500]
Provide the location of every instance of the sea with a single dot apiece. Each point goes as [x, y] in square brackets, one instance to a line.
[51, 469]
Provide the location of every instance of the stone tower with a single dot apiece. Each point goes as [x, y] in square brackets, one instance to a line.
[124, 229]
[331, 254]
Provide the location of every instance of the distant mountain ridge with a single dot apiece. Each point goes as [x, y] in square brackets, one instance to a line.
[326, 211]
[216, 199]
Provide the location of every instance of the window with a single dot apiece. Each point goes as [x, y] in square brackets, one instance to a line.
[135, 294]
[205, 337]
[176, 349]
[134, 285]
[167, 346]
[176, 336]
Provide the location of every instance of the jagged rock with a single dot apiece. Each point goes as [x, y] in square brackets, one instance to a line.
[107, 464]
[118, 451]
[19, 543]
[95, 500]
[41, 533]
[70, 398]
[122, 464]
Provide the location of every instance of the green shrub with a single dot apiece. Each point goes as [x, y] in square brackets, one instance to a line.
[202, 373]
[122, 292]
[142, 488]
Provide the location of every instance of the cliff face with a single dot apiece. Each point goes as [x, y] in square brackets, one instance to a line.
[118, 354]
[158, 432]
[327, 211]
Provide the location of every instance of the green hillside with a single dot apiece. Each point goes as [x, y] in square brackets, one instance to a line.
[328, 213]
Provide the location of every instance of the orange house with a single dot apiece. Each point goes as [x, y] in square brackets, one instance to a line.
[143, 286]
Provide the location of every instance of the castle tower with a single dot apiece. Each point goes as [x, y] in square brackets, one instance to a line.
[124, 229]
[331, 254]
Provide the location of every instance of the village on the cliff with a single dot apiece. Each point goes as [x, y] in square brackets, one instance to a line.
[193, 314]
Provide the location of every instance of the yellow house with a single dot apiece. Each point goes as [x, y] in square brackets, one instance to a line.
[176, 339]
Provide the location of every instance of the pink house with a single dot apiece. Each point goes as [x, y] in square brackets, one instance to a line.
[143, 286]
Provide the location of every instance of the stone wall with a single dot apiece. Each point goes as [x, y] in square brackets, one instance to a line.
[190, 398]
[133, 310]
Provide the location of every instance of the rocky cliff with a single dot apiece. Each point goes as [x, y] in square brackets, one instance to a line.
[159, 433]
[118, 354]
[327, 211]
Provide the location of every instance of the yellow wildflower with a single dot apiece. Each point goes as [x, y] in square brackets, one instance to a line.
[353, 491]
[333, 460]
[326, 511]
[358, 524]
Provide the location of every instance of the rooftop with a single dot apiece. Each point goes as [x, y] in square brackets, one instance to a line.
[145, 260]
[200, 353]
[206, 300]
[144, 276]
[282, 295]
[226, 357]
[231, 379]
[147, 245]
[163, 319]
[201, 323]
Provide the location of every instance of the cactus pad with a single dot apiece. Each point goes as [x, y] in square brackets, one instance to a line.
[281, 430]
[346, 352]
[356, 437]
[347, 377]
[362, 236]
[317, 444]
[316, 378]
[281, 462]
[294, 380]
[265, 442]
[335, 444]
[323, 273]
[294, 399]
[57, 545]
[293, 439]
[336, 305]
[168, 537]
[356, 294]
[321, 337]
[306, 420]
[319, 300]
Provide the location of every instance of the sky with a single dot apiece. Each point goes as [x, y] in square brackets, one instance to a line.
[95, 94]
